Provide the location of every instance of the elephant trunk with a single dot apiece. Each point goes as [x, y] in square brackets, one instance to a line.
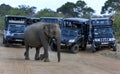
[58, 38]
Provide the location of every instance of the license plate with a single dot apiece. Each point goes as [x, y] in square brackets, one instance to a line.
[105, 43]
[62, 44]
[18, 40]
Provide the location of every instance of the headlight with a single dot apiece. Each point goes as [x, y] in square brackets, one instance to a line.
[9, 34]
[96, 40]
[111, 39]
[73, 40]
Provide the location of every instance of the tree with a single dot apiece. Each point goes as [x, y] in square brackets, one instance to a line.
[87, 12]
[77, 9]
[68, 9]
[30, 11]
[4, 9]
[16, 11]
[111, 6]
[83, 9]
[80, 6]
[48, 13]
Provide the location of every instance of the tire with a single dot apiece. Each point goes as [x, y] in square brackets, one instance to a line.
[7, 44]
[114, 48]
[53, 46]
[75, 48]
[93, 48]
[3, 41]
[23, 43]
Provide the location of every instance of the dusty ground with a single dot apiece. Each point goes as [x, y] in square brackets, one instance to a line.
[103, 61]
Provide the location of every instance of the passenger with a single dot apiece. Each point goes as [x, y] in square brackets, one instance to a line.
[74, 26]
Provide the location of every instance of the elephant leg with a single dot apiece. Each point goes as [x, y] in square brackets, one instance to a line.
[26, 54]
[44, 42]
[37, 54]
[46, 55]
[42, 56]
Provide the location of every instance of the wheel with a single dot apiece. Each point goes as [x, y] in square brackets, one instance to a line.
[4, 40]
[93, 48]
[114, 48]
[23, 43]
[53, 46]
[75, 48]
[7, 44]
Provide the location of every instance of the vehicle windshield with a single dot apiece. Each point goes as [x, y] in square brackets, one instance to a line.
[101, 22]
[103, 32]
[69, 32]
[16, 28]
[49, 20]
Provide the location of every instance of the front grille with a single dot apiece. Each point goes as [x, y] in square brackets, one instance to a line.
[104, 40]
[18, 35]
[65, 41]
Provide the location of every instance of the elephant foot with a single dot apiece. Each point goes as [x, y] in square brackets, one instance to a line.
[42, 56]
[46, 60]
[26, 58]
[25, 54]
[37, 58]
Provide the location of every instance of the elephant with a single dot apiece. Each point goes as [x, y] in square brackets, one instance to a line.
[39, 35]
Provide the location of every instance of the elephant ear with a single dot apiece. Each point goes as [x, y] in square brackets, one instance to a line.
[46, 29]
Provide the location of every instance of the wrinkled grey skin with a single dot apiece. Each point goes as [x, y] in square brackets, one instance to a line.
[38, 35]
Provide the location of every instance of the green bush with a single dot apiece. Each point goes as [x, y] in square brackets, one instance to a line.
[1, 23]
[116, 27]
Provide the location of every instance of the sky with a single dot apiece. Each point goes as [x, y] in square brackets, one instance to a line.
[54, 4]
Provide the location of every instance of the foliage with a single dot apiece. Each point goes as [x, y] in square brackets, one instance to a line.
[4, 9]
[29, 11]
[78, 9]
[16, 11]
[47, 13]
[116, 27]
[20, 10]
[1, 22]
[110, 6]
[116, 20]
[68, 9]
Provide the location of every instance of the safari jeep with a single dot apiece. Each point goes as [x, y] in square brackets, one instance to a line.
[14, 30]
[102, 33]
[74, 34]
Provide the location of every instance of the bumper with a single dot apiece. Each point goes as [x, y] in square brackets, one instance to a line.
[67, 45]
[14, 40]
[106, 44]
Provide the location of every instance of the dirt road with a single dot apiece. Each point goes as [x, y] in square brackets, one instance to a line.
[12, 62]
